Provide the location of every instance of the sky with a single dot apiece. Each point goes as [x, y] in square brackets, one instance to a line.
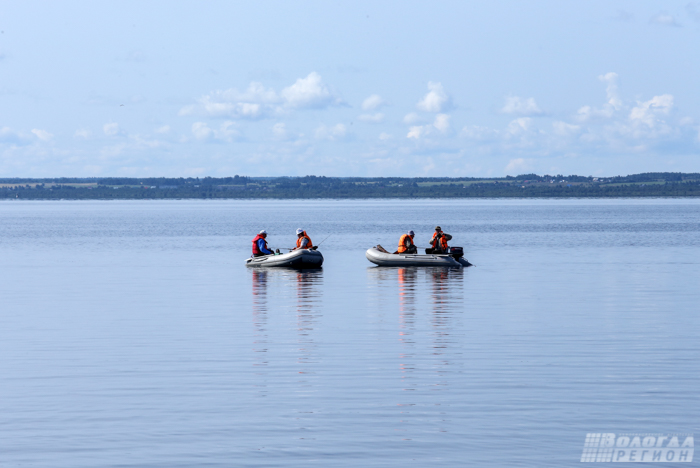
[392, 88]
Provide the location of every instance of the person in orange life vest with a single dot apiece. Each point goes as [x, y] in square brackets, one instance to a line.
[439, 241]
[260, 245]
[303, 240]
[406, 244]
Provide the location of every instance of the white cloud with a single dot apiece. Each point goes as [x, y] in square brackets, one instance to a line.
[611, 90]
[82, 133]
[625, 127]
[226, 132]
[111, 129]
[565, 129]
[518, 166]
[385, 136]
[42, 134]
[258, 102]
[613, 104]
[138, 142]
[373, 102]
[412, 118]
[440, 125]
[187, 110]
[163, 129]
[664, 19]
[521, 106]
[519, 126]
[201, 131]
[256, 93]
[477, 132]
[371, 118]
[436, 100]
[279, 131]
[615, 127]
[586, 113]
[309, 92]
[649, 112]
[418, 131]
[249, 104]
[336, 132]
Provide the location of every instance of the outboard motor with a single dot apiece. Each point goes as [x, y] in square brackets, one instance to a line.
[457, 252]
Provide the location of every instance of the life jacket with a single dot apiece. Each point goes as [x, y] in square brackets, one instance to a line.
[402, 243]
[443, 242]
[256, 250]
[308, 239]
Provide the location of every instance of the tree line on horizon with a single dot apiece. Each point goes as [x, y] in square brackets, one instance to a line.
[240, 180]
[523, 186]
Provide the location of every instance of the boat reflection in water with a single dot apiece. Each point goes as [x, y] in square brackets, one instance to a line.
[309, 287]
[278, 295]
[407, 302]
[437, 290]
[447, 297]
[432, 296]
[260, 343]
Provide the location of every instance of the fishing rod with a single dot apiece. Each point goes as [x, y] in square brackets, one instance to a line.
[314, 247]
[324, 240]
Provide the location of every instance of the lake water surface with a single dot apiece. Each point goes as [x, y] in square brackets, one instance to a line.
[132, 334]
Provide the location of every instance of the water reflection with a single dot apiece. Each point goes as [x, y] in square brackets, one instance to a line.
[260, 339]
[407, 278]
[446, 293]
[447, 297]
[425, 295]
[309, 288]
[297, 291]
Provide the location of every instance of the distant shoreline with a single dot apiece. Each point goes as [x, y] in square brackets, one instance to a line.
[647, 185]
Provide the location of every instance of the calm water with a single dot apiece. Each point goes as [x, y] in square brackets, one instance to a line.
[131, 334]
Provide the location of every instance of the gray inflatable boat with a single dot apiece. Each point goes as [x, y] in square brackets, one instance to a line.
[381, 257]
[302, 258]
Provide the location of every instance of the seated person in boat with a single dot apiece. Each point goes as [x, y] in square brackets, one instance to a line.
[303, 240]
[406, 244]
[260, 245]
[439, 242]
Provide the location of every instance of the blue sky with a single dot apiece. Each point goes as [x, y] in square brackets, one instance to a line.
[348, 89]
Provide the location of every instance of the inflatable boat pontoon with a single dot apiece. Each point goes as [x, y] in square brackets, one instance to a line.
[302, 258]
[381, 257]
